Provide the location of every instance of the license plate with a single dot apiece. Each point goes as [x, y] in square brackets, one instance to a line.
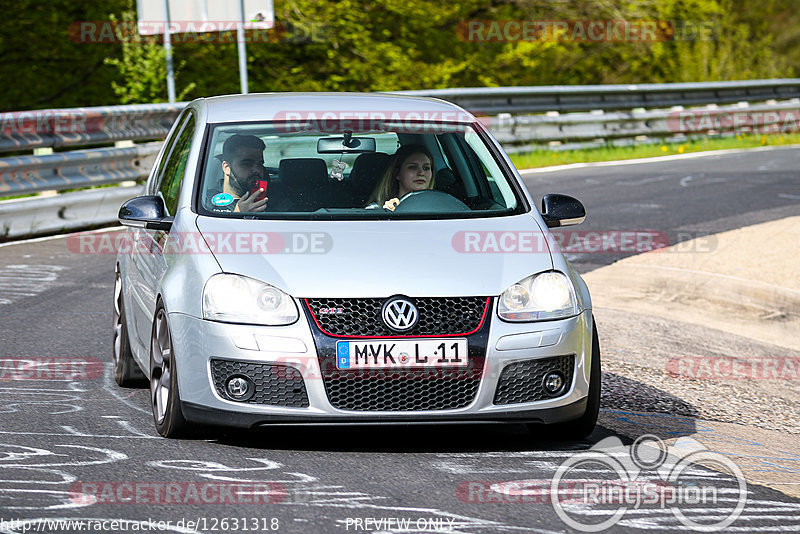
[401, 353]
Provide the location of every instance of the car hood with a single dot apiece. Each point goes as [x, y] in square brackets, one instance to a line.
[381, 258]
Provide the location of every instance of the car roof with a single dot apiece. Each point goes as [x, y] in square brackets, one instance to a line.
[278, 106]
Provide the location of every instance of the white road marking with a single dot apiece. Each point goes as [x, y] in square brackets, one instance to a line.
[65, 499]
[20, 399]
[68, 434]
[62, 236]
[650, 180]
[200, 465]
[109, 456]
[129, 427]
[20, 281]
[113, 389]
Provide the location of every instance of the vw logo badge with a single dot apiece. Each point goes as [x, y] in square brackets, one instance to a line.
[400, 314]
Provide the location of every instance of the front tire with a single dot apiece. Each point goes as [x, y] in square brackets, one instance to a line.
[126, 371]
[165, 398]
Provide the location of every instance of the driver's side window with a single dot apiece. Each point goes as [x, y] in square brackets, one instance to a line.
[169, 144]
[176, 166]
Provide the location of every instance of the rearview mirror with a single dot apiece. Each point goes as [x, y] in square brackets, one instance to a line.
[145, 212]
[562, 210]
[337, 145]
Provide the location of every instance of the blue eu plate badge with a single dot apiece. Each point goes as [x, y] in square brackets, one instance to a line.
[343, 353]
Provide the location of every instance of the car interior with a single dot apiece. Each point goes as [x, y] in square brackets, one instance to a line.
[309, 181]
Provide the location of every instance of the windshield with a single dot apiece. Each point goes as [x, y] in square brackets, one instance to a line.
[297, 170]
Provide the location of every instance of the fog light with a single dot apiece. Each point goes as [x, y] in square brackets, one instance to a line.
[554, 383]
[239, 388]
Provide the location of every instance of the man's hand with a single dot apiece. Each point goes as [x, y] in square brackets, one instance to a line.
[248, 202]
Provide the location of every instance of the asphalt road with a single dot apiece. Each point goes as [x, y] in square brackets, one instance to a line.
[681, 198]
[87, 450]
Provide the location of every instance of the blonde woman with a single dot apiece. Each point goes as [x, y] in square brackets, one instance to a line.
[410, 169]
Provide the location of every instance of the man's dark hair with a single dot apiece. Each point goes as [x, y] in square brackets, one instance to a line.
[237, 141]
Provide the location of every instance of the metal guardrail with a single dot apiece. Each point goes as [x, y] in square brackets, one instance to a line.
[26, 130]
[63, 213]
[521, 131]
[516, 117]
[57, 128]
[76, 169]
[567, 98]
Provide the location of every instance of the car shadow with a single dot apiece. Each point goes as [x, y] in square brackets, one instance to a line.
[622, 393]
[400, 438]
[631, 409]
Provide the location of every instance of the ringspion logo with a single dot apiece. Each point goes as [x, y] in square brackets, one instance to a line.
[622, 480]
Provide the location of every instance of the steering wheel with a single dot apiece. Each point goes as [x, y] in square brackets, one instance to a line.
[430, 201]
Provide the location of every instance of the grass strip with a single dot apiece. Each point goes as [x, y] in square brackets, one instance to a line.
[547, 157]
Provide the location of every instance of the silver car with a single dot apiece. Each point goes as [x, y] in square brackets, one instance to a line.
[349, 258]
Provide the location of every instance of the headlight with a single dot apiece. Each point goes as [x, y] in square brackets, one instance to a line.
[238, 299]
[542, 296]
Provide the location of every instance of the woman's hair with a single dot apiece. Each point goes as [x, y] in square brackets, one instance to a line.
[389, 187]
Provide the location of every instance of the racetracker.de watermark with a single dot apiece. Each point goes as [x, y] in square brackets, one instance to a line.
[170, 493]
[569, 241]
[45, 368]
[70, 122]
[730, 368]
[205, 32]
[177, 243]
[578, 31]
[586, 31]
[755, 121]
[50, 121]
[581, 242]
[294, 121]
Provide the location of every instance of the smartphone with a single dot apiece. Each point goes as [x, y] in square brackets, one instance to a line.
[259, 183]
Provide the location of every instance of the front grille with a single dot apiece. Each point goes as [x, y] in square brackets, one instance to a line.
[391, 390]
[438, 316]
[275, 384]
[522, 381]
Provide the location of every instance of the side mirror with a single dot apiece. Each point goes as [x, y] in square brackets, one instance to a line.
[562, 210]
[145, 212]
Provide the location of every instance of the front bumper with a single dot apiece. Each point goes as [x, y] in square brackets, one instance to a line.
[197, 342]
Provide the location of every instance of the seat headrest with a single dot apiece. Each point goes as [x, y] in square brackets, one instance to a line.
[369, 167]
[303, 171]
[445, 177]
